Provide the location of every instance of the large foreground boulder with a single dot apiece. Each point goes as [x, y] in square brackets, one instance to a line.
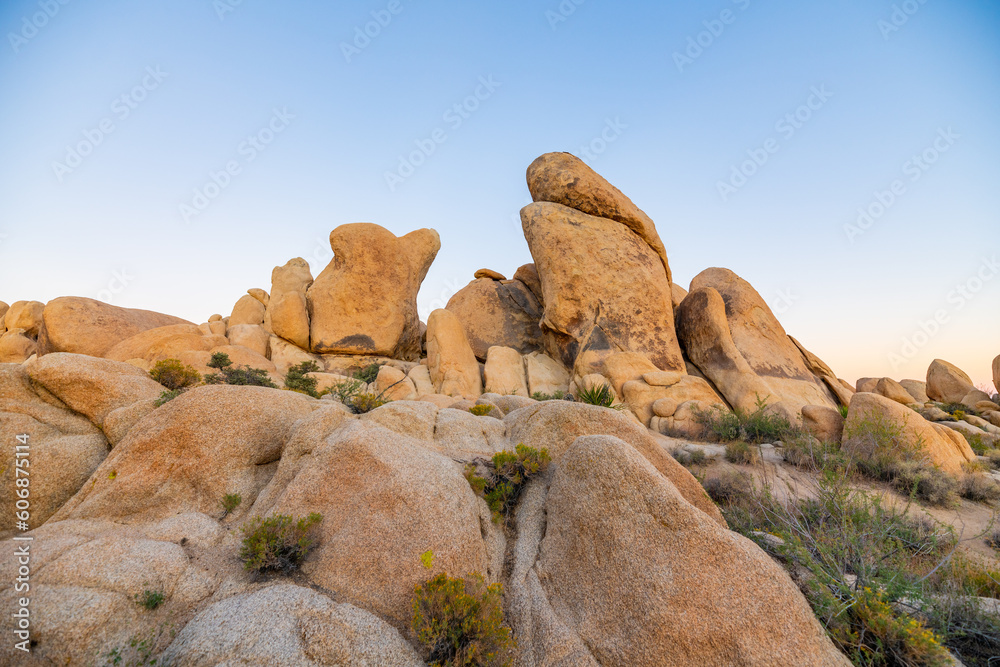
[604, 288]
[286, 626]
[90, 386]
[65, 447]
[385, 500]
[555, 425]
[870, 413]
[86, 326]
[629, 573]
[365, 300]
[187, 455]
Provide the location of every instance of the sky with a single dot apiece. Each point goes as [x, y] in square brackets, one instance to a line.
[841, 157]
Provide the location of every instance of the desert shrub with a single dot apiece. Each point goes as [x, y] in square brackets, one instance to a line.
[167, 396]
[601, 395]
[149, 600]
[345, 390]
[698, 457]
[459, 622]
[954, 408]
[978, 487]
[954, 609]
[885, 453]
[923, 481]
[481, 410]
[994, 457]
[727, 487]
[366, 402]
[220, 361]
[231, 501]
[742, 453]
[243, 376]
[174, 374]
[843, 411]
[278, 542]
[297, 379]
[978, 443]
[359, 402]
[762, 424]
[811, 454]
[993, 539]
[557, 395]
[841, 533]
[368, 374]
[507, 474]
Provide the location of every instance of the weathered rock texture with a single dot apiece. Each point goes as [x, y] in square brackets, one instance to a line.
[732, 336]
[604, 288]
[85, 326]
[947, 382]
[605, 498]
[365, 300]
[498, 312]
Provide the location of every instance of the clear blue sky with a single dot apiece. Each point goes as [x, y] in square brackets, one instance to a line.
[677, 128]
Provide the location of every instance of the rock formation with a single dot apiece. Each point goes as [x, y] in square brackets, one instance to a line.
[613, 554]
[365, 300]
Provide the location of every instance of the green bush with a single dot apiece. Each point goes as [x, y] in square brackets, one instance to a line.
[174, 374]
[459, 622]
[297, 379]
[508, 472]
[278, 542]
[150, 600]
[243, 376]
[980, 445]
[368, 374]
[601, 395]
[810, 454]
[885, 453]
[167, 396]
[843, 411]
[557, 395]
[840, 534]
[366, 402]
[481, 410]
[760, 425]
[230, 502]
